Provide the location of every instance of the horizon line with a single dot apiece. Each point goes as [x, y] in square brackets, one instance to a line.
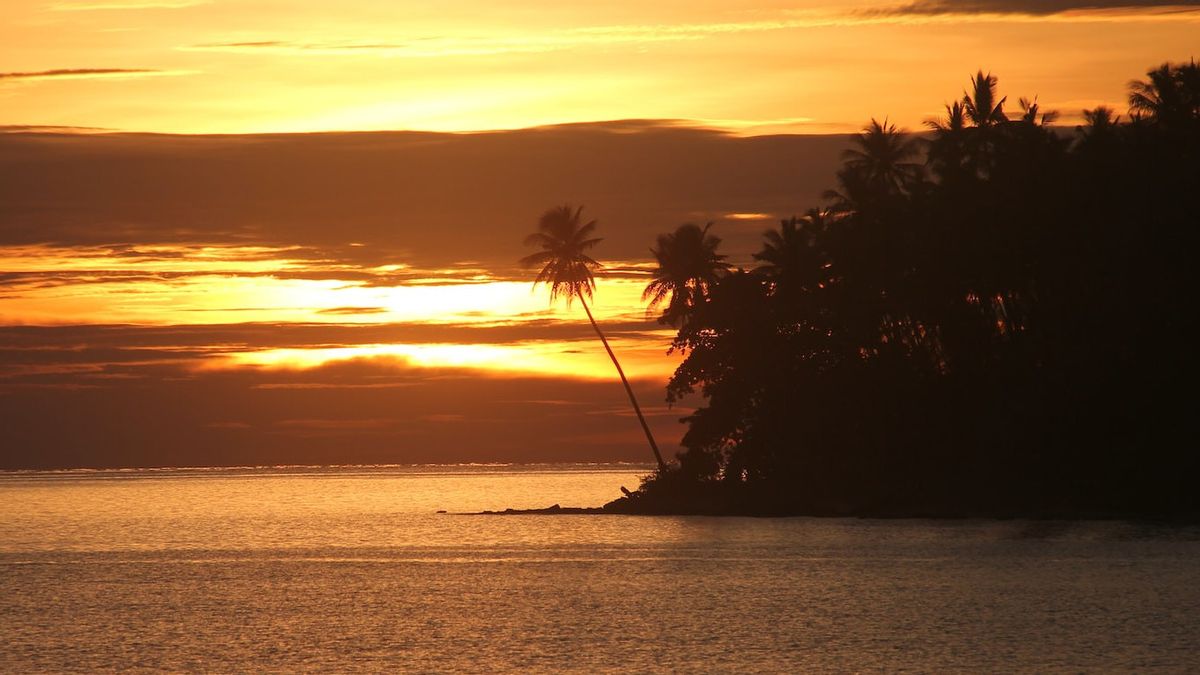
[747, 129]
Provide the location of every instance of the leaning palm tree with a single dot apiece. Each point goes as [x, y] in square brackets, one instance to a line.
[567, 268]
[688, 265]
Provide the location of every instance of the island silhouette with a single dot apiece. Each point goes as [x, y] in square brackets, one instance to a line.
[995, 318]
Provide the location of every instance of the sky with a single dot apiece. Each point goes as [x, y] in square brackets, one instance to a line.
[351, 297]
[211, 288]
[754, 66]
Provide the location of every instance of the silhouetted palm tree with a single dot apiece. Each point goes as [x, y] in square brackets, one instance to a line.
[955, 120]
[790, 254]
[881, 159]
[569, 271]
[1101, 116]
[783, 248]
[1030, 110]
[1169, 96]
[980, 103]
[984, 109]
[1155, 96]
[688, 265]
[1099, 122]
[819, 220]
[1188, 75]
[948, 146]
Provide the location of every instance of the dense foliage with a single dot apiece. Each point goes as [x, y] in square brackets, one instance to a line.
[995, 317]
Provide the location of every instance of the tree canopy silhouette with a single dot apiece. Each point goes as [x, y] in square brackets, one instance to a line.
[687, 266]
[1004, 329]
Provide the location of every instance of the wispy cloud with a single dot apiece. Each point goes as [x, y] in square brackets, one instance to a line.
[487, 45]
[44, 129]
[416, 48]
[126, 4]
[87, 74]
[338, 424]
[484, 45]
[352, 310]
[427, 46]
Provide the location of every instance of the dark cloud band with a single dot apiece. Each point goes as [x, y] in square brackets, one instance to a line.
[1031, 7]
[76, 73]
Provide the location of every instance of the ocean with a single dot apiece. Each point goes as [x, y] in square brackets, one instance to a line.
[353, 569]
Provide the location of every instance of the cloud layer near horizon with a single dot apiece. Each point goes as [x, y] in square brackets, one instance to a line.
[423, 199]
[341, 298]
[131, 398]
[1032, 7]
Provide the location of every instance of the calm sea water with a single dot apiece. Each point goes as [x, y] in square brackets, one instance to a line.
[352, 569]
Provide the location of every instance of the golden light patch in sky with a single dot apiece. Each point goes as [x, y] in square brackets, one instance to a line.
[161, 285]
[762, 67]
[207, 299]
[231, 284]
[567, 359]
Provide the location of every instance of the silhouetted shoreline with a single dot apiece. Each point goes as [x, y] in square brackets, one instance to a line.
[633, 506]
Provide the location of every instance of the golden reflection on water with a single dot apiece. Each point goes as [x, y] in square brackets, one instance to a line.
[250, 509]
[347, 569]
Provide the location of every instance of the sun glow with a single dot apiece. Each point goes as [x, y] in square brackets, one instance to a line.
[460, 307]
[571, 359]
[199, 285]
[212, 299]
[795, 67]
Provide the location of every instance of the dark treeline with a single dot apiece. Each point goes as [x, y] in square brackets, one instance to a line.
[995, 318]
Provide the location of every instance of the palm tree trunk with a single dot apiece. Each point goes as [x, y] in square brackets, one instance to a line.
[628, 389]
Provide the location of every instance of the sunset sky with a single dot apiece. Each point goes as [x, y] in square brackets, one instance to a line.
[180, 297]
[348, 298]
[249, 66]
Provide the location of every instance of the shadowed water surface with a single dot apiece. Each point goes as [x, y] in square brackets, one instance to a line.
[351, 569]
